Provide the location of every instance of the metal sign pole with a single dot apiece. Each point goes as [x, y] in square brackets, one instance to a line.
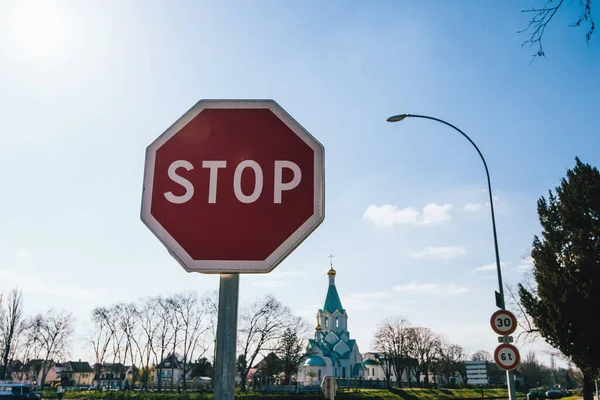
[224, 384]
[510, 380]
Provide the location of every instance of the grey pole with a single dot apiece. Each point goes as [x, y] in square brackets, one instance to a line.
[396, 118]
[224, 384]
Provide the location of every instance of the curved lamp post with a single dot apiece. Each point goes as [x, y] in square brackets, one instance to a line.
[397, 118]
[500, 296]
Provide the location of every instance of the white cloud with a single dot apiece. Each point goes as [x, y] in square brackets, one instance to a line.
[489, 267]
[268, 284]
[388, 215]
[364, 300]
[308, 311]
[23, 257]
[433, 213]
[526, 264]
[439, 253]
[36, 284]
[369, 295]
[474, 207]
[432, 289]
[288, 273]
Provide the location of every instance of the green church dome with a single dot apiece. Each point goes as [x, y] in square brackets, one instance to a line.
[314, 361]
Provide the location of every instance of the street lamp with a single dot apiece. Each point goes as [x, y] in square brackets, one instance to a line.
[500, 296]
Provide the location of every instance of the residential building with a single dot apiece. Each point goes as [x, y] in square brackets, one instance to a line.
[169, 371]
[110, 376]
[32, 371]
[269, 371]
[77, 373]
[376, 367]
[53, 376]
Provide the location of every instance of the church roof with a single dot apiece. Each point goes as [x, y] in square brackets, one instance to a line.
[332, 301]
[314, 361]
[327, 349]
[370, 362]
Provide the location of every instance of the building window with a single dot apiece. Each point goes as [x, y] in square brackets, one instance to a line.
[326, 322]
[319, 374]
[337, 322]
[343, 372]
[373, 371]
[367, 371]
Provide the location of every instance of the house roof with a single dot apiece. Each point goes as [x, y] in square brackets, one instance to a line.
[113, 367]
[269, 359]
[172, 360]
[78, 366]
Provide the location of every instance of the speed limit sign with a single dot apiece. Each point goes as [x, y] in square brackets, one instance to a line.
[507, 356]
[503, 322]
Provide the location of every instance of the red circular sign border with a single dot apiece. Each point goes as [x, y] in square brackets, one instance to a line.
[510, 315]
[513, 348]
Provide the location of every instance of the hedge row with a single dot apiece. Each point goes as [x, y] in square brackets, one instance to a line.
[363, 394]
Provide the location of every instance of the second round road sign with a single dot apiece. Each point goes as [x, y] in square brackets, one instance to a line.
[503, 322]
[507, 356]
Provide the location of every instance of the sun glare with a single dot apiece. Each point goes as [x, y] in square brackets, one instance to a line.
[38, 29]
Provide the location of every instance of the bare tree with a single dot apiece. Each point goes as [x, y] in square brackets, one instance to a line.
[127, 322]
[482, 355]
[10, 328]
[210, 302]
[394, 338]
[118, 342]
[450, 361]
[101, 336]
[26, 347]
[542, 17]
[261, 326]
[165, 335]
[190, 314]
[51, 333]
[147, 314]
[2, 330]
[175, 328]
[528, 332]
[290, 347]
[425, 346]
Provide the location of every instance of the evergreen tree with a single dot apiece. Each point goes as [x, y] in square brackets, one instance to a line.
[567, 271]
[290, 348]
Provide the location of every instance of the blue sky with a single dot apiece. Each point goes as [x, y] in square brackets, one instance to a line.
[86, 86]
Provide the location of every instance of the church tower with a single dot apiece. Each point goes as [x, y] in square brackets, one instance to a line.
[332, 317]
[331, 352]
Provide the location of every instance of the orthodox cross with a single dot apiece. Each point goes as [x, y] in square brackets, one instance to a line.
[331, 260]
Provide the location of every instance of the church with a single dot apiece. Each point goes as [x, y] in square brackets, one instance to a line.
[331, 352]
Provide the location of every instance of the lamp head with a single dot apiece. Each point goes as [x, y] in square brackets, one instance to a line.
[397, 118]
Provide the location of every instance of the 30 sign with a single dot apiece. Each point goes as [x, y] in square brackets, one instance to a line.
[503, 322]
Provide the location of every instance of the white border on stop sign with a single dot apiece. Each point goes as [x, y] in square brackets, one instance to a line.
[235, 266]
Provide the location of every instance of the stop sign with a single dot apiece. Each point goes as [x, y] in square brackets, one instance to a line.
[233, 186]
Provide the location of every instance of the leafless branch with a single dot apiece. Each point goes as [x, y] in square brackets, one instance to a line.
[542, 17]
[528, 331]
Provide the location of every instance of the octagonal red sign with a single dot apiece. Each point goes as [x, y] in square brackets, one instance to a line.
[233, 186]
